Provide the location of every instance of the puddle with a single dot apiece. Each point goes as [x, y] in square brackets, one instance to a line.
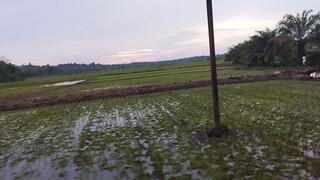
[98, 123]
[305, 174]
[311, 154]
[65, 83]
[41, 168]
[270, 167]
[133, 120]
[79, 127]
[114, 119]
[23, 147]
[315, 75]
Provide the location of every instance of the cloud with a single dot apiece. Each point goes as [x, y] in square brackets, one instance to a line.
[231, 31]
[243, 25]
[134, 53]
[61, 31]
[177, 44]
[141, 55]
[190, 41]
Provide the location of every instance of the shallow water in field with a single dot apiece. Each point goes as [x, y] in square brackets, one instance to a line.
[158, 136]
[65, 83]
[315, 75]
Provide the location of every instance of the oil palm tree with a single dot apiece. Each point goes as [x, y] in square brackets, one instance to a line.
[254, 51]
[300, 28]
[260, 42]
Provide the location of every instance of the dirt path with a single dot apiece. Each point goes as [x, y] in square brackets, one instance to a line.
[112, 93]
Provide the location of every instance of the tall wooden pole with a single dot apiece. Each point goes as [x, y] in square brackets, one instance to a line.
[213, 65]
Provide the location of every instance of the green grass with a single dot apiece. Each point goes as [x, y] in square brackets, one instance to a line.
[275, 129]
[161, 74]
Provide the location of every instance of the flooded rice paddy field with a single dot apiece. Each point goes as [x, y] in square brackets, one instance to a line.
[275, 133]
[50, 86]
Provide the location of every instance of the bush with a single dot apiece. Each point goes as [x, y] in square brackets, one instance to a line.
[313, 59]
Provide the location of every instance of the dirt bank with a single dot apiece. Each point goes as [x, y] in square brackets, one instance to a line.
[35, 102]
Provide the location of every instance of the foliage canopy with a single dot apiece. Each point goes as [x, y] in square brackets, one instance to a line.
[8, 71]
[294, 37]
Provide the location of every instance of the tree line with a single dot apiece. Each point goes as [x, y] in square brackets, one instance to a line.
[295, 36]
[8, 71]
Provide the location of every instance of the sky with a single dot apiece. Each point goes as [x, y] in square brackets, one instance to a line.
[54, 32]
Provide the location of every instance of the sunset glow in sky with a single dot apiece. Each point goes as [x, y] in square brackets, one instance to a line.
[121, 31]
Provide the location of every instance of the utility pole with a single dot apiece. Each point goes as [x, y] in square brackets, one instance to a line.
[219, 128]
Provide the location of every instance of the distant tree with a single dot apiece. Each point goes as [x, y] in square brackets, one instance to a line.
[50, 69]
[4, 59]
[33, 71]
[313, 56]
[220, 56]
[8, 71]
[260, 44]
[284, 46]
[281, 51]
[302, 28]
[254, 51]
[238, 54]
[315, 35]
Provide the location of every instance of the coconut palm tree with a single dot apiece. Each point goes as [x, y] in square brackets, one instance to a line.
[300, 28]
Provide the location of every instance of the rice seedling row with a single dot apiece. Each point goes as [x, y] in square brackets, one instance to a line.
[275, 133]
[115, 79]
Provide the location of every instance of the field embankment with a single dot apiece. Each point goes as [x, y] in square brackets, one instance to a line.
[28, 102]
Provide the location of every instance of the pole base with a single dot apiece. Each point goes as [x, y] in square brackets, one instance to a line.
[218, 131]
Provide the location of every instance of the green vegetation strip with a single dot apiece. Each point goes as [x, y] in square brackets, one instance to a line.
[120, 78]
[143, 89]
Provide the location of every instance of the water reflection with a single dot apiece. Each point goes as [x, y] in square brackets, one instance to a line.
[65, 83]
[315, 75]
